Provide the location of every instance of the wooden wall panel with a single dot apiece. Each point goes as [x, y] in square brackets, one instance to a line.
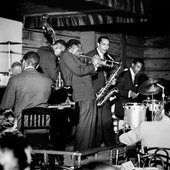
[157, 56]
[157, 53]
[157, 64]
[158, 74]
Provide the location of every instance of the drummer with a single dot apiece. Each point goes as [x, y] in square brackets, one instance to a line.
[127, 83]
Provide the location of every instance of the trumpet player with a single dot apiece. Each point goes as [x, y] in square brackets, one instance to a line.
[77, 74]
[105, 133]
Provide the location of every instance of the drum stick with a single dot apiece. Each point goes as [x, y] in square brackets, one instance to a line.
[136, 95]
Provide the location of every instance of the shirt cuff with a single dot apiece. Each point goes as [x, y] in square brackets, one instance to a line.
[129, 93]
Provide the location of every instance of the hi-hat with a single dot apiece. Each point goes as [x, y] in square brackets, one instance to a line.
[10, 42]
[150, 87]
[11, 52]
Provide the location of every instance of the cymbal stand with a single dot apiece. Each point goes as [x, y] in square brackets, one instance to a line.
[152, 107]
[163, 95]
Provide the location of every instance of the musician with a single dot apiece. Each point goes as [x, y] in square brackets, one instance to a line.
[127, 83]
[105, 131]
[150, 133]
[49, 58]
[77, 74]
[27, 89]
[16, 68]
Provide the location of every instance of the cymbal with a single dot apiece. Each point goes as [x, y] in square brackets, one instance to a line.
[150, 87]
[149, 101]
[11, 52]
[10, 42]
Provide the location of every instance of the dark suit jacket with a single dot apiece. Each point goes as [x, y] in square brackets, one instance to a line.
[102, 73]
[25, 90]
[124, 84]
[48, 63]
[77, 74]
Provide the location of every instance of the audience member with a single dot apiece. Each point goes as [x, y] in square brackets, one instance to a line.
[150, 133]
[8, 124]
[105, 133]
[49, 58]
[77, 74]
[28, 89]
[127, 84]
[16, 68]
[15, 153]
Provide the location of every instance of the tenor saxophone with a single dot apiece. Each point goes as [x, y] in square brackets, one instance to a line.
[104, 94]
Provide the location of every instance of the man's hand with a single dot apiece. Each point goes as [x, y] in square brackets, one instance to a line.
[133, 95]
[96, 60]
[113, 82]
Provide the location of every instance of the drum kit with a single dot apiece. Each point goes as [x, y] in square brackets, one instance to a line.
[135, 113]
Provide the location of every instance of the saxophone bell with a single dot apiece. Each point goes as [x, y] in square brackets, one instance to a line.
[104, 94]
[110, 93]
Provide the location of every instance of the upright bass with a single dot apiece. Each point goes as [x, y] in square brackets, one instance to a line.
[51, 36]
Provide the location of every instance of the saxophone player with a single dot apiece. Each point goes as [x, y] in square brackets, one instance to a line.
[105, 133]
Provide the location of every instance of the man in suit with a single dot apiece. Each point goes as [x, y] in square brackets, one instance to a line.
[127, 83]
[105, 133]
[27, 89]
[77, 74]
[49, 58]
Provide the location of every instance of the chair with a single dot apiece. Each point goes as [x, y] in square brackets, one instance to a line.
[35, 125]
[127, 154]
[155, 156]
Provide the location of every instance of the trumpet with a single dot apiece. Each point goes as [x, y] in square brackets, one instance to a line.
[102, 62]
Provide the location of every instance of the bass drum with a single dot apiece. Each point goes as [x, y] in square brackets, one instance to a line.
[134, 114]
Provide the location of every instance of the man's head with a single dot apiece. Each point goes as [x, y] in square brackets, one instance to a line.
[30, 59]
[59, 46]
[74, 47]
[16, 68]
[103, 44]
[137, 64]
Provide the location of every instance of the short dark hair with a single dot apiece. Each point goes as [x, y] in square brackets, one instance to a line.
[16, 63]
[102, 37]
[72, 42]
[32, 58]
[60, 41]
[138, 60]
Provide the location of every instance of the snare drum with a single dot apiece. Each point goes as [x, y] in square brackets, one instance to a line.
[134, 114]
